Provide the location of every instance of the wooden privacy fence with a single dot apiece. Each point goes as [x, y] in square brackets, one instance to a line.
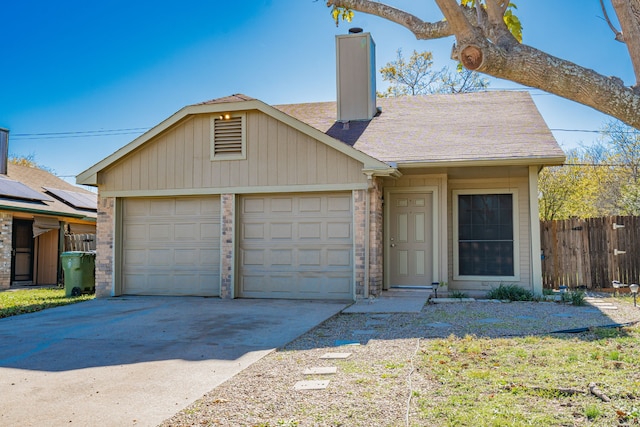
[590, 252]
[79, 242]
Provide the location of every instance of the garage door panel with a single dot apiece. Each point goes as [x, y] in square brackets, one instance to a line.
[160, 232]
[281, 231]
[339, 257]
[210, 231]
[171, 246]
[253, 231]
[339, 230]
[296, 247]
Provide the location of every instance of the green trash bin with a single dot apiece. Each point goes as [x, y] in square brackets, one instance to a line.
[79, 272]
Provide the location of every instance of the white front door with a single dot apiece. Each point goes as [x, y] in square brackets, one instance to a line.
[410, 239]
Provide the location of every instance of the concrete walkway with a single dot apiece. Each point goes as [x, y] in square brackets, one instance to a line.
[136, 360]
[395, 300]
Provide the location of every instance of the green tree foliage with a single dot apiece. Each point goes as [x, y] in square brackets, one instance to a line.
[600, 180]
[415, 76]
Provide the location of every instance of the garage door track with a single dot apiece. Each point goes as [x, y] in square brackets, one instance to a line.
[136, 360]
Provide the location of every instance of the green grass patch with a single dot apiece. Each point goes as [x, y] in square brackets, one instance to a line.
[31, 300]
[541, 380]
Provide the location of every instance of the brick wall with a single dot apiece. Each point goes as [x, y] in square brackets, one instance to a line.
[104, 246]
[227, 243]
[6, 224]
[376, 243]
[359, 212]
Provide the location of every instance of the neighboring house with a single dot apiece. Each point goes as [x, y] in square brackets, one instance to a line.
[237, 198]
[37, 210]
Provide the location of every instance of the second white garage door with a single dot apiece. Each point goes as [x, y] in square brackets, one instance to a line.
[171, 246]
[296, 246]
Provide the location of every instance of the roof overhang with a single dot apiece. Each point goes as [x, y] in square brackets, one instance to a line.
[519, 161]
[90, 176]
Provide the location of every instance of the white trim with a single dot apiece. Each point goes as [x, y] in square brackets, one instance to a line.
[516, 234]
[235, 190]
[437, 246]
[499, 161]
[534, 222]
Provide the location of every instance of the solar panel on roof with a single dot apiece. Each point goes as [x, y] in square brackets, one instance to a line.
[17, 190]
[74, 198]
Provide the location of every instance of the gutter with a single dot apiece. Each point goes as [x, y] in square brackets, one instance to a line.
[43, 212]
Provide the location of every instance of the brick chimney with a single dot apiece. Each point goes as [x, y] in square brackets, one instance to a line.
[356, 76]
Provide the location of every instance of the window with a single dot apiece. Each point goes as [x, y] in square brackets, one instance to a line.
[485, 235]
[228, 137]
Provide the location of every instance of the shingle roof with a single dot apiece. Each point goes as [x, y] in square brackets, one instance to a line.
[36, 179]
[231, 98]
[442, 128]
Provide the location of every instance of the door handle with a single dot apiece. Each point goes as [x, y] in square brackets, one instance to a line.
[393, 245]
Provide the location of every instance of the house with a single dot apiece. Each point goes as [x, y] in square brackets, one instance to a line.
[240, 199]
[37, 211]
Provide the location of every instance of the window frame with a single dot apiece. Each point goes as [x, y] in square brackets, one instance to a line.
[516, 234]
[232, 156]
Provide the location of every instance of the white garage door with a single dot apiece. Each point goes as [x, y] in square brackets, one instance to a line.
[298, 247]
[171, 246]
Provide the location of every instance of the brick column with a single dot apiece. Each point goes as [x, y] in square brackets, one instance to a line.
[359, 231]
[105, 233]
[227, 245]
[376, 258]
[6, 232]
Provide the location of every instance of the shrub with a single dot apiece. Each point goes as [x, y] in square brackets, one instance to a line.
[511, 293]
[458, 294]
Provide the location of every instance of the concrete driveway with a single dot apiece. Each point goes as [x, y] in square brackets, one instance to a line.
[136, 360]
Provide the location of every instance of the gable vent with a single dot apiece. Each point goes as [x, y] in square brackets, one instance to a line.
[227, 137]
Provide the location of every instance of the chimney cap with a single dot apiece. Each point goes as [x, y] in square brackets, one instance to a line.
[355, 30]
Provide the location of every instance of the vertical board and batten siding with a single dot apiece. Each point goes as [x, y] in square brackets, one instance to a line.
[276, 155]
[581, 252]
[522, 234]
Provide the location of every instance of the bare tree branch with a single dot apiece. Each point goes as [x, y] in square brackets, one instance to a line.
[421, 29]
[618, 35]
[487, 49]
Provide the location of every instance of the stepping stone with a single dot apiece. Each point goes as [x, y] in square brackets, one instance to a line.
[365, 332]
[339, 343]
[381, 316]
[490, 320]
[375, 323]
[336, 356]
[321, 370]
[440, 325]
[311, 385]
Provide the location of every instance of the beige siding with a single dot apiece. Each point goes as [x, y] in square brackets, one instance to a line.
[522, 235]
[277, 155]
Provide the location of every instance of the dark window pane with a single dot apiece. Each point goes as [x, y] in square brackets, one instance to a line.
[485, 234]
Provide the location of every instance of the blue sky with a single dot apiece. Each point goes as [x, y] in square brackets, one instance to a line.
[116, 68]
